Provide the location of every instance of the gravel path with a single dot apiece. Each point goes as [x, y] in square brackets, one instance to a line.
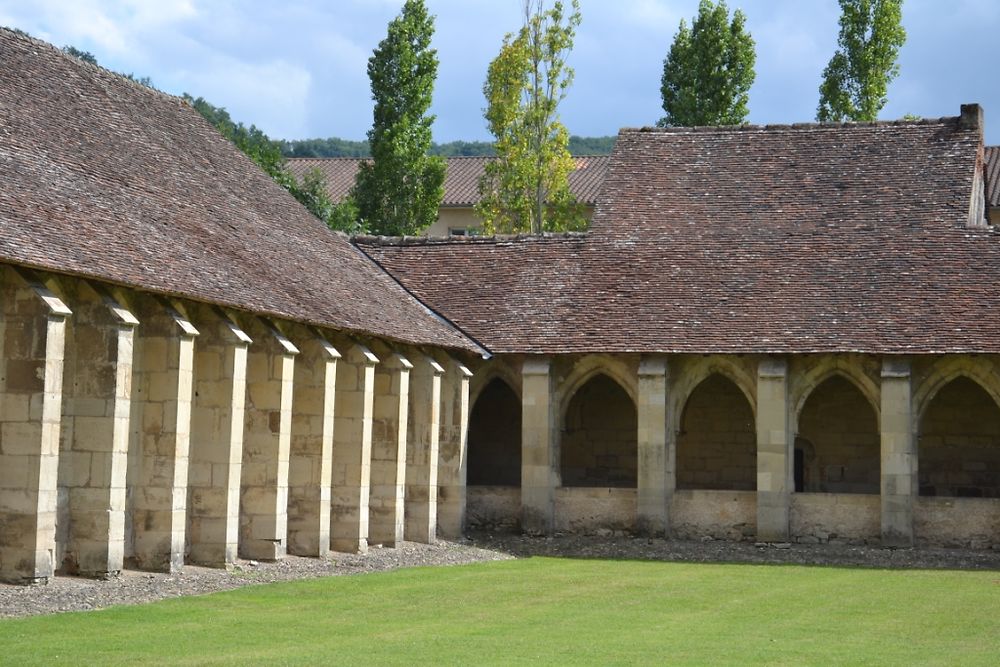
[133, 587]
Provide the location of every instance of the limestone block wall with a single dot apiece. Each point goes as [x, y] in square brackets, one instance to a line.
[266, 444]
[595, 511]
[493, 508]
[838, 436]
[716, 446]
[959, 443]
[599, 436]
[841, 518]
[452, 449]
[390, 415]
[90, 521]
[311, 448]
[160, 436]
[957, 522]
[721, 515]
[32, 343]
[142, 431]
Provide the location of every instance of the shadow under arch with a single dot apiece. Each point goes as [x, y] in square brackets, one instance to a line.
[716, 437]
[599, 439]
[494, 438]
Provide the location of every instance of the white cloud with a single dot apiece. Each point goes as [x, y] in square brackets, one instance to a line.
[273, 95]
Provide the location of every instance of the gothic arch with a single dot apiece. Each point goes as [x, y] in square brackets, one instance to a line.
[591, 366]
[493, 371]
[694, 374]
[944, 371]
[811, 380]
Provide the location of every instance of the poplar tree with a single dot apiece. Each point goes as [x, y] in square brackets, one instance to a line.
[709, 69]
[856, 82]
[400, 190]
[526, 188]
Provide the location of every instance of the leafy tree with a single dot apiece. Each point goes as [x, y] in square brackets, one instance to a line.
[334, 147]
[526, 189]
[400, 190]
[709, 70]
[856, 81]
[85, 56]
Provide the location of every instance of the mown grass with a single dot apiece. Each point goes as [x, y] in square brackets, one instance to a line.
[547, 611]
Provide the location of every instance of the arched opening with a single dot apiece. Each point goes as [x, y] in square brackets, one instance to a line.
[600, 440]
[495, 437]
[717, 443]
[959, 447]
[838, 441]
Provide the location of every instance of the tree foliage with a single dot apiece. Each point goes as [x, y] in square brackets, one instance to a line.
[335, 147]
[85, 56]
[400, 190]
[709, 69]
[526, 189]
[856, 82]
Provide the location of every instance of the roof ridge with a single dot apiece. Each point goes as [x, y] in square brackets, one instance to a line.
[400, 241]
[778, 127]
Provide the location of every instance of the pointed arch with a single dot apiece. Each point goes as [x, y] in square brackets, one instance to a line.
[494, 437]
[589, 367]
[948, 369]
[599, 442]
[694, 373]
[716, 437]
[809, 381]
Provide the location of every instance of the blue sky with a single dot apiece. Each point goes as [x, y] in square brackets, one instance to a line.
[296, 68]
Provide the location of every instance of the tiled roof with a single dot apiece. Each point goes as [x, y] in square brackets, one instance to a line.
[793, 239]
[461, 183]
[108, 179]
[993, 176]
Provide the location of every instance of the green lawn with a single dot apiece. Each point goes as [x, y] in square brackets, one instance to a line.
[547, 611]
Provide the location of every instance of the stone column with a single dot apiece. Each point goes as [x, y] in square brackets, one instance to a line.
[539, 448]
[899, 453]
[452, 449]
[352, 450]
[32, 337]
[775, 457]
[422, 452]
[266, 445]
[656, 480]
[389, 430]
[216, 456]
[161, 436]
[311, 463]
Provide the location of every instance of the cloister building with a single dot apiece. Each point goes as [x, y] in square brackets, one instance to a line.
[769, 333]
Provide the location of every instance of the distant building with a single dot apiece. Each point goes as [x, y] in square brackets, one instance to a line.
[461, 187]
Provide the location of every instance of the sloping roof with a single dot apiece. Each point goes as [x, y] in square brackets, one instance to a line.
[462, 174]
[992, 157]
[108, 179]
[782, 239]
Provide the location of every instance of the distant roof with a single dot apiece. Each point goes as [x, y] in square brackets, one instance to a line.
[106, 178]
[461, 184]
[992, 176]
[778, 239]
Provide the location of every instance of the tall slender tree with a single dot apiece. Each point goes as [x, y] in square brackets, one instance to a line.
[856, 82]
[526, 189]
[709, 70]
[400, 190]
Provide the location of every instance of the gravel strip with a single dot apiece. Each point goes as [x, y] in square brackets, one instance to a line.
[133, 587]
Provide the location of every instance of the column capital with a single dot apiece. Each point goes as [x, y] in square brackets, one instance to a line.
[536, 366]
[772, 367]
[895, 367]
[653, 366]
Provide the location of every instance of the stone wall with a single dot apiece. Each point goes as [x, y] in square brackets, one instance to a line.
[716, 446]
[598, 445]
[495, 508]
[595, 510]
[959, 444]
[839, 438]
[958, 522]
[842, 518]
[720, 515]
